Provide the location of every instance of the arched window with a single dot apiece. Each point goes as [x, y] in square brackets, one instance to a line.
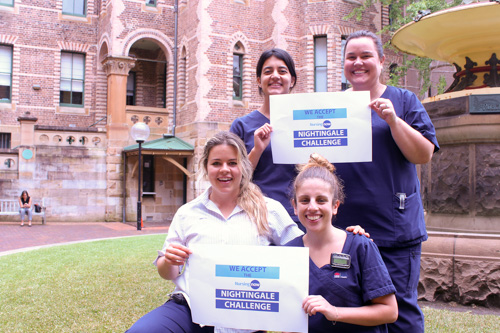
[238, 72]
[182, 84]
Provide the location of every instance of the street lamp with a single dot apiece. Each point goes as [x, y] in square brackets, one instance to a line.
[140, 133]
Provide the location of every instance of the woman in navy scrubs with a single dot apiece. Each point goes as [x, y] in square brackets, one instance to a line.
[275, 76]
[384, 195]
[350, 289]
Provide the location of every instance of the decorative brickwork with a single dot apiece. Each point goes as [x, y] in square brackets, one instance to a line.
[117, 36]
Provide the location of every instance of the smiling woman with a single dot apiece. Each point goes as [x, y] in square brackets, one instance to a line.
[231, 211]
[384, 195]
[224, 174]
[349, 285]
[275, 76]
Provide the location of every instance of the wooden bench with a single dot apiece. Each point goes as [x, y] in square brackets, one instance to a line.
[11, 207]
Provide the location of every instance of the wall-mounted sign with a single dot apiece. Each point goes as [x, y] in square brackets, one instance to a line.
[27, 154]
[484, 103]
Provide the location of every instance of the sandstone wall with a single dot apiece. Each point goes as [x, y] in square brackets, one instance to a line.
[461, 268]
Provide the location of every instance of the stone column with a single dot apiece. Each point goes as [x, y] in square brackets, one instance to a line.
[27, 152]
[117, 69]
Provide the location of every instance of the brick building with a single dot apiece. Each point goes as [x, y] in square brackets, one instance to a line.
[75, 75]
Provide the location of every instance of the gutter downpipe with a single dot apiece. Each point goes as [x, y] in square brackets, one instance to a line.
[124, 188]
[174, 109]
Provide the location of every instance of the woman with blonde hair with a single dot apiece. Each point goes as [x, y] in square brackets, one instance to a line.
[231, 211]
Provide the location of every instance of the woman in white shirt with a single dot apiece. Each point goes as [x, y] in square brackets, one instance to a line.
[231, 211]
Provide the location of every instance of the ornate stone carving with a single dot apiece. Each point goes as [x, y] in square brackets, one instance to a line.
[487, 180]
[450, 190]
[118, 65]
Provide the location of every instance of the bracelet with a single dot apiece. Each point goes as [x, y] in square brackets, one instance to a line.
[336, 315]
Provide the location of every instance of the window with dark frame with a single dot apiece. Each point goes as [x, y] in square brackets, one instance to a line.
[151, 3]
[344, 83]
[74, 7]
[9, 3]
[5, 73]
[237, 76]
[131, 92]
[320, 64]
[164, 85]
[72, 78]
[183, 77]
[148, 178]
[5, 140]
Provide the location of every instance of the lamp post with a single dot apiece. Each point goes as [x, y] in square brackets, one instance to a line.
[140, 133]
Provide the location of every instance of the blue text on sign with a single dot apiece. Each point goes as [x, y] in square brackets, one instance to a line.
[270, 296]
[247, 305]
[326, 133]
[327, 142]
[319, 114]
[263, 272]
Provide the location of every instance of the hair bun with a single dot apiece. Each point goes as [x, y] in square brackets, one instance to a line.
[317, 160]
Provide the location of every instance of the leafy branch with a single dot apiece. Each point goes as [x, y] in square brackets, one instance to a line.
[402, 12]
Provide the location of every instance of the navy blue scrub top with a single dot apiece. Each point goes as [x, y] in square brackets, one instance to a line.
[274, 180]
[372, 188]
[366, 279]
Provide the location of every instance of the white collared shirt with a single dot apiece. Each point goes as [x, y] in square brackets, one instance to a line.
[201, 222]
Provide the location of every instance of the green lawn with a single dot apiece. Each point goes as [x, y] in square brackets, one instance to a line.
[105, 286]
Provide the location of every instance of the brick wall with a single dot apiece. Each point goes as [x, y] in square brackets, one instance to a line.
[207, 34]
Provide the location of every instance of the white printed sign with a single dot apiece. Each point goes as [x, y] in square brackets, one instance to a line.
[249, 287]
[336, 125]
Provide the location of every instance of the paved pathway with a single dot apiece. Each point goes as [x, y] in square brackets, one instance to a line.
[14, 238]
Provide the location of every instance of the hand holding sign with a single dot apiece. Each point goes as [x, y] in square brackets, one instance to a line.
[176, 254]
[335, 125]
[262, 137]
[249, 287]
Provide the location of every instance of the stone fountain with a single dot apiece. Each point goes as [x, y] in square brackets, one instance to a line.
[461, 185]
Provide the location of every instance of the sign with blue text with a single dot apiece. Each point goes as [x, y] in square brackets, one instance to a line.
[249, 287]
[336, 125]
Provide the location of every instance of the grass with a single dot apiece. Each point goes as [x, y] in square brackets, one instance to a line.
[102, 286]
[438, 320]
[105, 286]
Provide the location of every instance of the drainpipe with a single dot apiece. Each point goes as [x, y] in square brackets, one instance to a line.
[124, 188]
[174, 111]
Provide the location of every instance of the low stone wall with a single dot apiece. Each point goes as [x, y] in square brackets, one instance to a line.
[463, 268]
